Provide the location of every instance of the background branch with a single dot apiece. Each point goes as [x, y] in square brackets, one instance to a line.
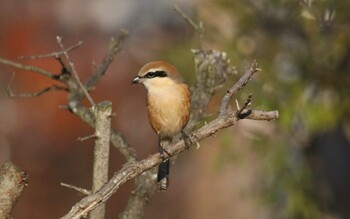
[75, 73]
[27, 68]
[114, 47]
[33, 94]
[199, 28]
[13, 180]
[53, 54]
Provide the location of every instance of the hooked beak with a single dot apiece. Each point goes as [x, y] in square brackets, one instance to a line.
[136, 80]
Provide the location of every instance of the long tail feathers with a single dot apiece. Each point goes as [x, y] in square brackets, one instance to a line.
[163, 169]
[163, 175]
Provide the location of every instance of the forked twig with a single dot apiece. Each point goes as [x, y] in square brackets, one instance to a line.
[74, 72]
[237, 86]
[33, 94]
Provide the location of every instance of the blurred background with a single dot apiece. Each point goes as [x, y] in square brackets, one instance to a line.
[295, 167]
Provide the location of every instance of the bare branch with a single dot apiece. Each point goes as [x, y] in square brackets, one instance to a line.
[102, 112]
[263, 115]
[134, 168]
[113, 48]
[78, 189]
[75, 73]
[117, 139]
[53, 54]
[33, 94]
[27, 68]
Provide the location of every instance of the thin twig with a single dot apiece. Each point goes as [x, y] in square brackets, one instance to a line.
[87, 137]
[50, 55]
[33, 94]
[27, 68]
[74, 72]
[198, 27]
[78, 189]
[237, 86]
[113, 48]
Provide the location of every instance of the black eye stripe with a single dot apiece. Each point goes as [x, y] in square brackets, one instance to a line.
[153, 74]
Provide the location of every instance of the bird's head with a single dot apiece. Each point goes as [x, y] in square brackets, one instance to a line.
[157, 74]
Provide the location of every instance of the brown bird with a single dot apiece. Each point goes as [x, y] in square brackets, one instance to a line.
[168, 107]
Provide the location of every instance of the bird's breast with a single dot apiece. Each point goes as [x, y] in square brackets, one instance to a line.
[168, 109]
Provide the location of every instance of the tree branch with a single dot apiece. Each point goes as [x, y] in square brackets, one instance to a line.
[27, 68]
[102, 112]
[134, 168]
[33, 94]
[13, 180]
[75, 73]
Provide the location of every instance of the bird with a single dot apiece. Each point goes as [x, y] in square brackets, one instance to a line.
[168, 107]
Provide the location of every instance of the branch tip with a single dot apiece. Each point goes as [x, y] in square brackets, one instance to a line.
[78, 189]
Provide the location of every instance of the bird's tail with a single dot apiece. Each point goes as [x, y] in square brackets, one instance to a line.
[163, 169]
[163, 175]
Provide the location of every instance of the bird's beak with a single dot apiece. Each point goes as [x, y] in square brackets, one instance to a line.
[136, 80]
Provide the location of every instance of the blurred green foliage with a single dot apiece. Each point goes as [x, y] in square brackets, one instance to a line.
[303, 48]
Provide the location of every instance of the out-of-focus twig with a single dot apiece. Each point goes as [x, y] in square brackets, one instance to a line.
[32, 94]
[52, 54]
[27, 68]
[74, 72]
[199, 28]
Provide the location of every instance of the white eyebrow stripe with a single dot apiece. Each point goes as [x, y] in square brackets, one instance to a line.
[155, 69]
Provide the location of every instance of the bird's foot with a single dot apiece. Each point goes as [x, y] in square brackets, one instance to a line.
[187, 139]
[165, 154]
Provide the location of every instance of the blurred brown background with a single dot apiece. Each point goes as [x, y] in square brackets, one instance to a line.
[296, 167]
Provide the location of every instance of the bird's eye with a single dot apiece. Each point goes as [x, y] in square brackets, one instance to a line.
[153, 74]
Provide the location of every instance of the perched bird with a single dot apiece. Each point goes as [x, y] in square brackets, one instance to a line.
[168, 107]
